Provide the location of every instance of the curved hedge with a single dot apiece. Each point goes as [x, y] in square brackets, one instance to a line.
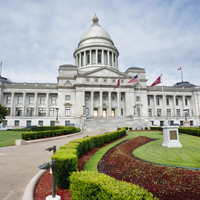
[190, 131]
[93, 185]
[67, 156]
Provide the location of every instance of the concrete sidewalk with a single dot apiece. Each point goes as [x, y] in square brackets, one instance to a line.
[19, 164]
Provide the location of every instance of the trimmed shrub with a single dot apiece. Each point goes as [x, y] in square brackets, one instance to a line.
[25, 136]
[93, 185]
[77, 148]
[130, 128]
[146, 128]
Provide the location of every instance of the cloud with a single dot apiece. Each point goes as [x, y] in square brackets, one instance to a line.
[160, 36]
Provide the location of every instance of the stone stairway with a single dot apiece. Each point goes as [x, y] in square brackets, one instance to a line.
[108, 124]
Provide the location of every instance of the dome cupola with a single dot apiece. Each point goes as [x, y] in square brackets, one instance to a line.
[96, 49]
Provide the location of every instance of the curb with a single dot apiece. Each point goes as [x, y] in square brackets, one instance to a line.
[29, 191]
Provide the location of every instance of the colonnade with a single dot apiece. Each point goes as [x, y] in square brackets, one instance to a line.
[96, 57]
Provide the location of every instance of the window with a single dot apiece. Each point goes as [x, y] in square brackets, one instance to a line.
[96, 80]
[88, 59]
[99, 58]
[53, 100]
[161, 123]
[8, 111]
[138, 111]
[178, 112]
[168, 112]
[186, 102]
[52, 112]
[8, 99]
[191, 123]
[87, 111]
[95, 98]
[87, 80]
[86, 98]
[113, 81]
[16, 123]
[137, 98]
[159, 112]
[149, 102]
[52, 123]
[67, 111]
[67, 97]
[167, 101]
[152, 123]
[171, 123]
[121, 111]
[31, 100]
[112, 98]
[67, 123]
[40, 123]
[18, 111]
[5, 123]
[149, 113]
[104, 98]
[121, 98]
[176, 101]
[122, 81]
[104, 80]
[19, 99]
[42, 100]
[181, 123]
[157, 101]
[30, 111]
[28, 123]
[42, 111]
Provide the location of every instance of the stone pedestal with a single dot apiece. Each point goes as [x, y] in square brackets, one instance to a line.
[171, 137]
[186, 124]
[57, 123]
[20, 142]
[57, 197]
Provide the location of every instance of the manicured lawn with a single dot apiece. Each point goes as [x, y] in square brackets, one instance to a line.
[188, 156]
[8, 138]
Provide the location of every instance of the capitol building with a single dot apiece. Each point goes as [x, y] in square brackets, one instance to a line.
[84, 94]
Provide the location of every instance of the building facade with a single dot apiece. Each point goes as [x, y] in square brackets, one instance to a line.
[85, 91]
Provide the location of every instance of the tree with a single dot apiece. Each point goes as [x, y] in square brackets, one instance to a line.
[3, 113]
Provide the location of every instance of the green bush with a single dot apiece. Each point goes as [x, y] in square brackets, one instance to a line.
[190, 131]
[146, 128]
[93, 185]
[25, 136]
[130, 128]
[76, 148]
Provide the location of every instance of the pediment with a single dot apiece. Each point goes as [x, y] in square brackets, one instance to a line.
[105, 72]
[67, 104]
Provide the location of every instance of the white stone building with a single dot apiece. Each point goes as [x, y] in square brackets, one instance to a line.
[85, 95]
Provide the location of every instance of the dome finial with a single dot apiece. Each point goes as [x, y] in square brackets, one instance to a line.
[95, 20]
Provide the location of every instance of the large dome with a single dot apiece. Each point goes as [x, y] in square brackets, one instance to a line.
[95, 34]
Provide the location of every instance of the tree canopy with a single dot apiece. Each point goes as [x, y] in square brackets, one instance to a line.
[3, 113]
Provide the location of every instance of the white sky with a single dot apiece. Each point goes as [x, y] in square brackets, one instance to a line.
[37, 36]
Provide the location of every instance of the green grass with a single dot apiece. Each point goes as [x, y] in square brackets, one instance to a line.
[187, 156]
[8, 138]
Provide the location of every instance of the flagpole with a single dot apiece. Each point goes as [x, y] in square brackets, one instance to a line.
[163, 103]
[181, 74]
[140, 100]
[1, 68]
[120, 101]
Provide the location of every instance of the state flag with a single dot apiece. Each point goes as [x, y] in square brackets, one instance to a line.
[157, 81]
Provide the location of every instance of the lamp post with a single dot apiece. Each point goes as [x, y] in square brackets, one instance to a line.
[57, 109]
[83, 109]
[134, 109]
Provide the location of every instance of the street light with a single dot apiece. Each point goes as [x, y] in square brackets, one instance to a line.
[57, 109]
[47, 166]
[83, 109]
[51, 148]
[134, 109]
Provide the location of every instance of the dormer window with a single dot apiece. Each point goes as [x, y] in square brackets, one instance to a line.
[105, 81]
[96, 80]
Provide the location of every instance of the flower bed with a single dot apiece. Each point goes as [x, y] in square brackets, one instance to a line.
[163, 182]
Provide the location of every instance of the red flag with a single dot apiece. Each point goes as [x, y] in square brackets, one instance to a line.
[179, 68]
[118, 84]
[157, 81]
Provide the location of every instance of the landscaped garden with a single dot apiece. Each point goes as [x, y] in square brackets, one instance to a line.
[119, 162]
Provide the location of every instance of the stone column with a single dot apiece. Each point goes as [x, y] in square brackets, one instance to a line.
[47, 104]
[84, 58]
[96, 56]
[109, 105]
[101, 104]
[118, 104]
[35, 105]
[174, 102]
[90, 57]
[92, 104]
[24, 105]
[102, 54]
[12, 104]
[115, 65]
[79, 59]
[108, 54]
[112, 59]
[155, 110]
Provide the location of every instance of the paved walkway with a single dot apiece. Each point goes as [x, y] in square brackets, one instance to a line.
[19, 164]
